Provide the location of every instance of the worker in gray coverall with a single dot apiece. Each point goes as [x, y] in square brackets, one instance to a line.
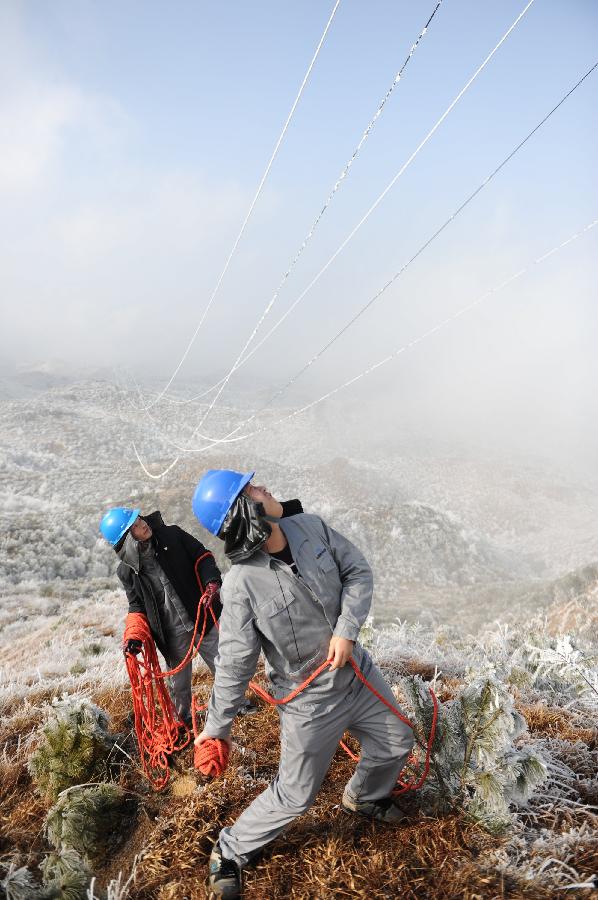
[299, 591]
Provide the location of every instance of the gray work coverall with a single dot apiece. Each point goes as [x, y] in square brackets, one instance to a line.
[292, 618]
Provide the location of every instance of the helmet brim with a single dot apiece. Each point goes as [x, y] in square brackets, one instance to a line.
[132, 519]
[244, 482]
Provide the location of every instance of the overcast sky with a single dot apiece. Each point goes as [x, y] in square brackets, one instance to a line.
[133, 136]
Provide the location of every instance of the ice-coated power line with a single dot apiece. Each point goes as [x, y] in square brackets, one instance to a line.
[393, 181]
[391, 356]
[424, 246]
[397, 274]
[398, 175]
[251, 208]
[337, 185]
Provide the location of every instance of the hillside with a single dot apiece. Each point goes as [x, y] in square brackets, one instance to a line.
[485, 575]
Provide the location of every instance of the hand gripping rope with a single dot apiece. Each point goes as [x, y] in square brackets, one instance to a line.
[158, 728]
[211, 757]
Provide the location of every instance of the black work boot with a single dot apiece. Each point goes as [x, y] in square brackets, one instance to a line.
[224, 879]
[384, 810]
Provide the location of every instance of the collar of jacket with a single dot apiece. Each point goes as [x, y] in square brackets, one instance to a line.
[129, 553]
[154, 520]
[295, 537]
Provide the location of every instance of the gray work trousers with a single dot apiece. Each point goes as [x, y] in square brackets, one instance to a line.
[309, 736]
[177, 644]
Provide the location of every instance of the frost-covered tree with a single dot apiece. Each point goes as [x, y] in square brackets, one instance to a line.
[84, 819]
[19, 884]
[73, 748]
[66, 875]
[476, 763]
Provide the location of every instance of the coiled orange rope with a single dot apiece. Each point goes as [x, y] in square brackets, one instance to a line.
[158, 728]
[211, 757]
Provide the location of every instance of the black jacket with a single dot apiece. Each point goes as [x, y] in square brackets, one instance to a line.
[177, 552]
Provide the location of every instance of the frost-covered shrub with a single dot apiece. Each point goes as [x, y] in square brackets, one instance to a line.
[19, 884]
[561, 667]
[66, 875]
[74, 746]
[531, 659]
[84, 819]
[475, 761]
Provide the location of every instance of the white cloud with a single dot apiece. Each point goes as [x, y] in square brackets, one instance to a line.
[41, 111]
[31, 127]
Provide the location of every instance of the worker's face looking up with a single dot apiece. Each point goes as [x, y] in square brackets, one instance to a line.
[259, 494]
[141, 530]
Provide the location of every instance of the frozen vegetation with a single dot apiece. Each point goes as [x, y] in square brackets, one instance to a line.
[486, 576]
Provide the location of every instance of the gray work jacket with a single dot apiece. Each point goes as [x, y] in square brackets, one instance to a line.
[290, 617]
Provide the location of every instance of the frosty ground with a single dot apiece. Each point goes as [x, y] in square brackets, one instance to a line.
[484, 568]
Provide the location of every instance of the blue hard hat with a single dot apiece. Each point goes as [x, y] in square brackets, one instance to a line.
[116, 522]
[215, 494]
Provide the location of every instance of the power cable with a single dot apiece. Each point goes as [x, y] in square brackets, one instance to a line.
[251, 208]
[393, 181]
[397, 274]
[391, 356]
[344, 173]
[391, 281]
[398, 175]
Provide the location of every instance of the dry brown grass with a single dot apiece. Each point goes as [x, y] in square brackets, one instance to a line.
[325, 853]
[116, 701]
[21, 810]
[550, 721]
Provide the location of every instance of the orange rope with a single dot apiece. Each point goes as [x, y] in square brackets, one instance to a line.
[211, 756]
[157, 735]
[158, 728]
[157, 725]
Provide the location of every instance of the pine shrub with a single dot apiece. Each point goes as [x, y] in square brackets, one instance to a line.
[19, 884]
[476, 763]
[66, 875]
[85, 819]
[74, 747]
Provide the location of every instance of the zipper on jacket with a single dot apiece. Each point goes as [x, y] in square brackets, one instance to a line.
[156, 607]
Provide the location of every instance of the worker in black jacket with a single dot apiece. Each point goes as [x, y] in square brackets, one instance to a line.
[165, 571]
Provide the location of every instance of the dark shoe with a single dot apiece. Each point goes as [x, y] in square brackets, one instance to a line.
[248, 708]
[224, 879]
[384, 810]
